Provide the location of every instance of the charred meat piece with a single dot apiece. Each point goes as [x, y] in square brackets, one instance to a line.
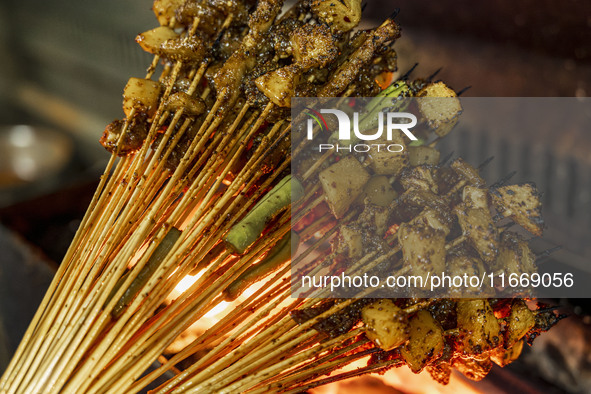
[347, 71]
[279, 85]
[334, 325]
[341, 16]
[440, 106]
[152, 40]
[423, 155]
[350, 242]
[423, 247]
[165, 10]
[413, 202]
[515, 256]
[544, 322]
[385, 324]
[444, 312]
[212, 13]
[141, 95]
[520, 321]
[446, 179]
[420, 177]
[467, 173]
[133, 138]
[190, 105]
[191, 49]
[425, 342]
[378, 191]
[383, 162]
[473, 368]
[503, 357]
[461, 260]
[373, 220]
[342, 183]
[313, 46]
[253, 93]
[477, 226]
[522, 204]
[229, 78]
[475, 197]
[163, 41]
[280, 34]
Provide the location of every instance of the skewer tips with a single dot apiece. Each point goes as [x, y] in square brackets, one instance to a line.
[394, 14]
[446, 159]
[548, 252]
[430, 77]
[485, 163]
[504, 179]
[407, 74]
[464, 90]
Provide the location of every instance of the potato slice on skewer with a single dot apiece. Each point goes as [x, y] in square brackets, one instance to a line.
[479, 328]
[385, 324]
[425, 342]
[342, 183]
[142, 94]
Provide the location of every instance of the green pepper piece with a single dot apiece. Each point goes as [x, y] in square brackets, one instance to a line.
[249, 229]
[147, 270]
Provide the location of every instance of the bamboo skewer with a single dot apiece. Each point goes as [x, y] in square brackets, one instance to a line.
[345, 375]
[212, 291]
[307, 371]
[52, 310]
[112, 212]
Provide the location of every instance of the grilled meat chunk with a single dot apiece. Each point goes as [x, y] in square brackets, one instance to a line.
[473, 368]
[467, 173]
[423, 247]
[522, 204]
[133, 138]
[477, 226]
[515, 256]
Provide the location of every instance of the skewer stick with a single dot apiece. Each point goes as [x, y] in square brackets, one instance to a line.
[212, 291]
[53, 310]
[235, 317]
[310, 372]
[54, 287]
[308, 208]
[251, 380]
[345, 375]
[238, 337]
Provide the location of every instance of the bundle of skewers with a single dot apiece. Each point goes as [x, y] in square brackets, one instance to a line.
[199, 184]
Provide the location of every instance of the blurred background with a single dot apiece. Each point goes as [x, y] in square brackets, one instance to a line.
[63, 66]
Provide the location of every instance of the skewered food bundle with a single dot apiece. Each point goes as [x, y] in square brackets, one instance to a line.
[198, 186]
